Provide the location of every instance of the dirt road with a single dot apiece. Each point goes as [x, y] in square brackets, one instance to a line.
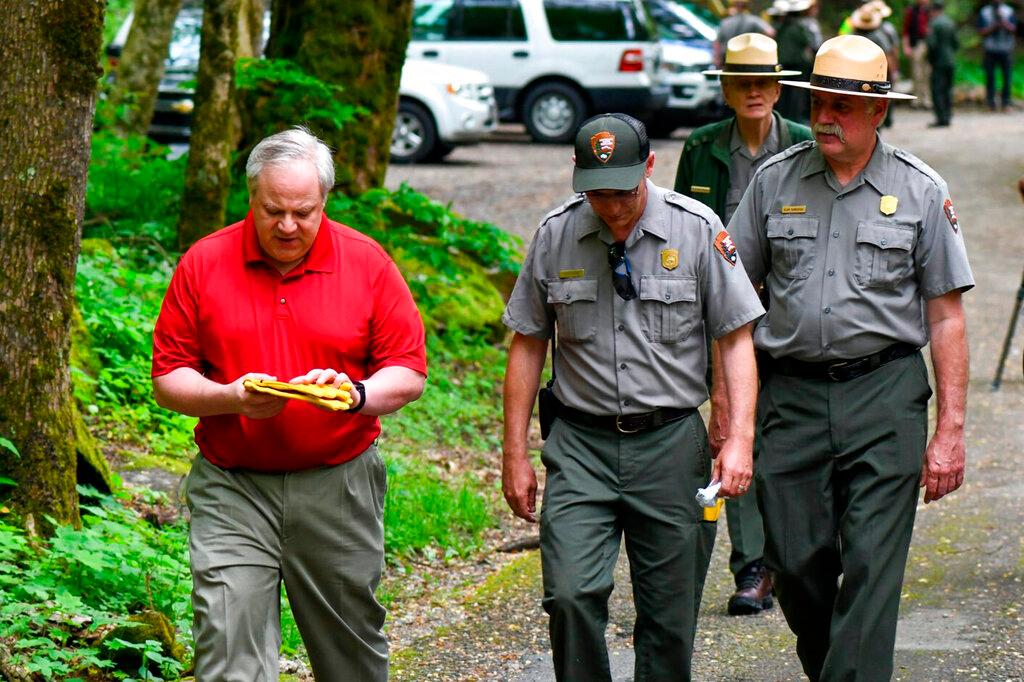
[962, 614]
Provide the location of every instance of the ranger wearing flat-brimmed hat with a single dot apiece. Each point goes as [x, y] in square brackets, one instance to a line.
[715, 168]
[862, 256]
[629, 277]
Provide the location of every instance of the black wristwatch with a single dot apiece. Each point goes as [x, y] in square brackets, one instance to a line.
[358, 386]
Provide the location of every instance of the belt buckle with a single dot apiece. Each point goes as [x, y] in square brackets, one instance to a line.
[842, 364]
[618, 424]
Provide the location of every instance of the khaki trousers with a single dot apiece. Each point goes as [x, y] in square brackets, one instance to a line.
[321, 533]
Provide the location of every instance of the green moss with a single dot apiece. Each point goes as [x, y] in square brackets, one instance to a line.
[74, 30]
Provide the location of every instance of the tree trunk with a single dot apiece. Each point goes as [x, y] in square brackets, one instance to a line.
[141, 64]
[230, 31]
[49, 66]
[360, 45]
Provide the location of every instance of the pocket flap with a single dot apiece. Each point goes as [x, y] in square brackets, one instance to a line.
[886, 236]
[668, 289]
[792, 227]
[569, 290]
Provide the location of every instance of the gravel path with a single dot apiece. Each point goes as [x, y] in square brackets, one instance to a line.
[962, 615]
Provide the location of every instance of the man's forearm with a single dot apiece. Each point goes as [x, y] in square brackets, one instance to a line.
[392, 388]
[187, 391]
[950, 361]
[739, 370]
[522, 379]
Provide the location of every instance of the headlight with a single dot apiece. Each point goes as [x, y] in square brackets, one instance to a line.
[676, 67]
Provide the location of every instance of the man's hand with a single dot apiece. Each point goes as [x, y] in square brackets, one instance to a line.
[943, 470]
[326, 377]
[519, 484]
[252, 404]
[734, 467]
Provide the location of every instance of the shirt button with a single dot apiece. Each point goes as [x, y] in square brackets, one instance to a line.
[789, 231]
[282, 301]
[836, 234]
[622, 366]
[622, 328]
[627, 402]
[827, 310]
[840, 197]
[828, 346]
[831, 272]
[883, 242]
[568, 297]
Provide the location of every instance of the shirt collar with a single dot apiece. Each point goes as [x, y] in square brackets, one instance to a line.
[319, 258]
[651, 222]
[770, 147]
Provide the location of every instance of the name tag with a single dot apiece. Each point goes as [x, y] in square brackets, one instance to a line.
[700, 189]
[794, 209]
[570, 274]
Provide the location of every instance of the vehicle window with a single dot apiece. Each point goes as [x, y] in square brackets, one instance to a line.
[595, 20]
[430, 19]
[487, 20]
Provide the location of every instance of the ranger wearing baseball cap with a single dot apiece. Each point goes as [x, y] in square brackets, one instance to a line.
[863, 259]
[627, 276]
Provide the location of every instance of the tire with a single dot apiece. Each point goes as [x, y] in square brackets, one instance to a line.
[414, 137]
[553, 112]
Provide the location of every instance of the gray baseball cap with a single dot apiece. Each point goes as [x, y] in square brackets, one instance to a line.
[611, 153]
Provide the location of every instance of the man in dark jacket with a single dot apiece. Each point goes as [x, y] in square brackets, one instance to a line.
[942, 44]
[716, 166]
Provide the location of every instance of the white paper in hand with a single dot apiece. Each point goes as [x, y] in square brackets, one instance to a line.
[706, 496]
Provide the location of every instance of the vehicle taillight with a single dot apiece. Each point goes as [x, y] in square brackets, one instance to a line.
[632, 60]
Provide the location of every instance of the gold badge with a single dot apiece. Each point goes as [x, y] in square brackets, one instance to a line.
[570, 274]
[700, 189]
[670, 259]
[888, 204]
[794, 209]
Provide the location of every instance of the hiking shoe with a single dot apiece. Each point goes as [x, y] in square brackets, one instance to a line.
[753, 591]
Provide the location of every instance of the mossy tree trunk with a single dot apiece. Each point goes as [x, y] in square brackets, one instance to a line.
[231, 29]
[141, 64]
[49, 66]
[360, 45]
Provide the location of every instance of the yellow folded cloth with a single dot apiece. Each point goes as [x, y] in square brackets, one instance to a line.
[337, 399]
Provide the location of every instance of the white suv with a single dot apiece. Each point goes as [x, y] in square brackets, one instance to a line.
[552, 62]
[440, 106]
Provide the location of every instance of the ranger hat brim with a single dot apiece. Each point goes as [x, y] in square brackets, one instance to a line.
[850, 65]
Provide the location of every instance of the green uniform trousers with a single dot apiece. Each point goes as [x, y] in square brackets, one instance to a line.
[601, 485]
[321, 531]
[942, 93]
[837, 480]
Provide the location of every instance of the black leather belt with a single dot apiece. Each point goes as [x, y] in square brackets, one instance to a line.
[837, 370]
[625, 423]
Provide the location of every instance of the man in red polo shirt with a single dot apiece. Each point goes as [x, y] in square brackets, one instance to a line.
[283, 490]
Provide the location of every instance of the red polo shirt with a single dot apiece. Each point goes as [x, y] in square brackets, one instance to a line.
[228, 312]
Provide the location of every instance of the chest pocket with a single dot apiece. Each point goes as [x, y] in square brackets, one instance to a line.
[575, 303]
[668, 308]
[792, 244]
[883, 254]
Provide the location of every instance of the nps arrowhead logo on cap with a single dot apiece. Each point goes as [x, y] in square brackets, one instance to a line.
[603, 145]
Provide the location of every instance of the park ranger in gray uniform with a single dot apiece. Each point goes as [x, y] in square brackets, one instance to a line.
[863, 258]
[629, 274]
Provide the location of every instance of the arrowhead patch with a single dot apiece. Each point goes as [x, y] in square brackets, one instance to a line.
[725, 247]
[947, 207]
[603, 146]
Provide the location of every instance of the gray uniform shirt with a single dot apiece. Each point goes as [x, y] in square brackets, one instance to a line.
[848, 270]
[742, 164]
[626, 357]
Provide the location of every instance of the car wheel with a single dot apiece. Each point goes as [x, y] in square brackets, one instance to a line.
[552, 112]
[414, 136]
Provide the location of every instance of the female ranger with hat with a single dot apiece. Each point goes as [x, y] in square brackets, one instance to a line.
[715, 168]
[863, 260]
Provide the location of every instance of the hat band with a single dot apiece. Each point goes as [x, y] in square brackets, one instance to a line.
[751, 68]
[851, 84]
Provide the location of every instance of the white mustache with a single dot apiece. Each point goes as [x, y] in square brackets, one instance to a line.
[830, 129]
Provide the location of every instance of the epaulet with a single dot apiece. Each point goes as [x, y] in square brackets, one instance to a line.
[797, 148]
[572, 201]
[690, 205]
[703, 135]
[916, 163]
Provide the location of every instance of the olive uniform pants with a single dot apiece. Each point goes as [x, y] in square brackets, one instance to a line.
[321, 531]
[942, 93]
[601, 484]
[746, 529]
[837, 480]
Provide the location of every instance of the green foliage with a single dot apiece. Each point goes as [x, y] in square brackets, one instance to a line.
[284, 92]
[423, 513]
[9, 446]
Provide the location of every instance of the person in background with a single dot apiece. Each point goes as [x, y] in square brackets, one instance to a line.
[997, 26]
[715, 168]
[796, 53]
[942, 46]
[915, 48]
[869, 21]
[739, 20]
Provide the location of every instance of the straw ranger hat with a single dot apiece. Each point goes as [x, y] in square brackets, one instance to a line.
[880, 7]
[866, 18]
[778, 8]
[850, 65]
[751, 54]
